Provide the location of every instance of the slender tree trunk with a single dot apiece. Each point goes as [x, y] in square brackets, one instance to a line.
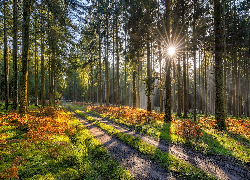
[6, 60]
[125, 59]
[25, 55]
[134, 88]
[179, 87]
[148, 93]
[247, 83]
[224, 57]
[15, 71]
[138, 82]
[174, 90]
[219, 98]
[167, 117]
[194, 54]
[100, 64]
[185, 66]
[199, 87]
[125, 69]
[92, 85]
[235, 64]
[107, 63]
[36, 67]
[43, 96]
[117, 65]
[152, 72]
[161, 97]
[205, 80]
[239, 93]
[113, 80]
[187, 87]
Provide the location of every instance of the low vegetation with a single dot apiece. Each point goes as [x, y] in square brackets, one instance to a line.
[164, 159]
[201, 136]
[49, 143]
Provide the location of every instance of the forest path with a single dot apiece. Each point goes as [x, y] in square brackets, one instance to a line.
[220, 166]
[138, 164]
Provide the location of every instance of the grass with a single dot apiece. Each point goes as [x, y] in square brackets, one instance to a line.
[164, 159]
[51, 144]
[210, 141]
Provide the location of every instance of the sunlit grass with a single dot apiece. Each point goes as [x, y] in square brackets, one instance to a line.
[209, 141]
[51, 144]
[164, 159]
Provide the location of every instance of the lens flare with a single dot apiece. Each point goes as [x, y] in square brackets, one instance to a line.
[171, 51]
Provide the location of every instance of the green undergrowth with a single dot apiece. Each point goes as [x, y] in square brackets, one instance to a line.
[164, 159]
[211, 141]
[72, 155]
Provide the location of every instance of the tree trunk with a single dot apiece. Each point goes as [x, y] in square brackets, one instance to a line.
[224, 57]
[219, 98]
[160, 59]
[194, 54]
[167, 117]
[25, 55]
[134, 88]
[100, 64]
[113, 75]
[138, 82]
[179, 87]
[149, 79]
[174, 90]
[185, 66]
[6, 60]
[117, 65]
[15, 71]
[205, 80]
[36, 67]
[106, 62]
[43, 96]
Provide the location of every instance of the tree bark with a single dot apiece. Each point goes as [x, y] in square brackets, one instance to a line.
[194, 54]
[113, 69]
[107, 63]
[179, 87]
[36, 67]
[174, 89]
[117, 65]
[25, 55]
[219, 98]
[100, 60]
[43, 96]
[6, 60]
[149, 78]
[167, 117]
[15, 71]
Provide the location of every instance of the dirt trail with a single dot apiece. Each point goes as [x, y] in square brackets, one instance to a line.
[220, 166]
[139, 166]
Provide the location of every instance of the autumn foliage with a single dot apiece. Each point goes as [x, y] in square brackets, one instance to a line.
[38, 126]
[185, 128]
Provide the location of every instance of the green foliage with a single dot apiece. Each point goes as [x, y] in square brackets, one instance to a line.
[164, 159]
[203, 138]
[77, 155]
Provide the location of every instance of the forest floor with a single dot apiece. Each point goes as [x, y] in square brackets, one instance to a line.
[142, 167]
[93, 143]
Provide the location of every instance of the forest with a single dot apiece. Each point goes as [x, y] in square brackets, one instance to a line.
[173, 70]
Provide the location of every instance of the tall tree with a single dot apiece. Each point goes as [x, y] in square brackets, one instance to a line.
[219, 101]
[36, 62]
[167, 117]
[5, 57]
[194, 54]
[43, 96]
[15, 71]
[25, 55]
[117, 58]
